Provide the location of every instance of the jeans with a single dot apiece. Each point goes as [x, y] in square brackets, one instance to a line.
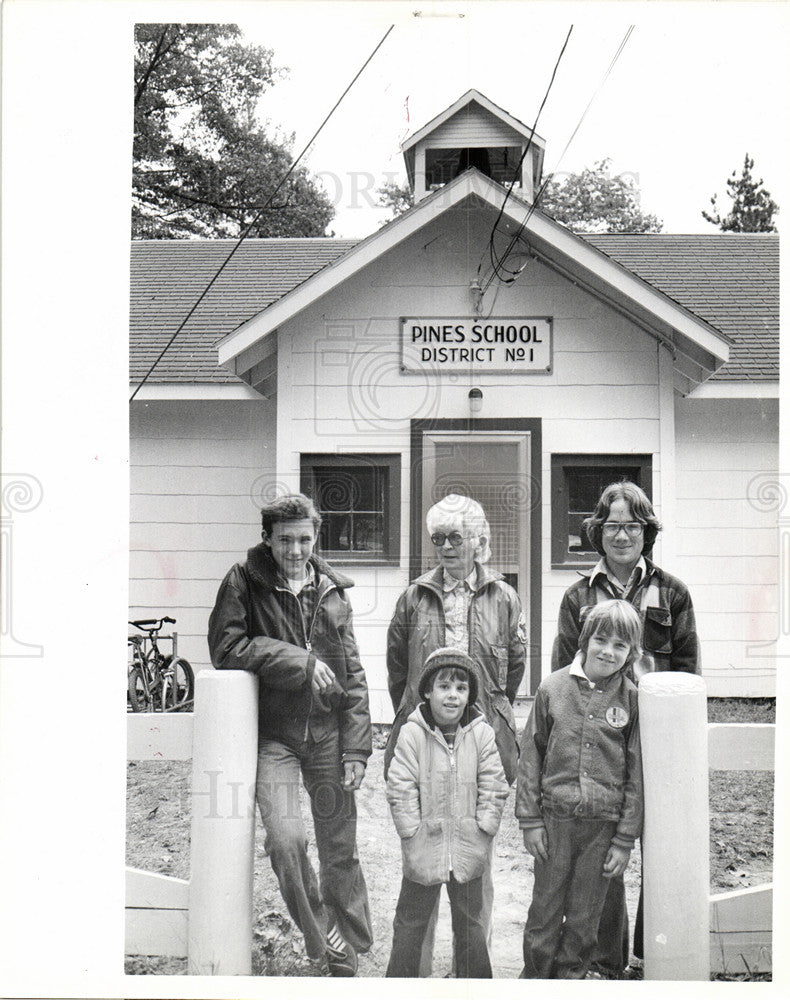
[611, 951]
[416, 903]
[342, 896]
[486, 918]
[569, 885]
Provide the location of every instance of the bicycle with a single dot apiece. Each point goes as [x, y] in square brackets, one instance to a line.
[157, 682]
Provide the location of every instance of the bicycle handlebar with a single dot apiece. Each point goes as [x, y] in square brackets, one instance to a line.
[158, 622]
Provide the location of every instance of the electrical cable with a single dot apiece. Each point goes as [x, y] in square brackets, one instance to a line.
[517, 171]
[499, 265]
[258, 214]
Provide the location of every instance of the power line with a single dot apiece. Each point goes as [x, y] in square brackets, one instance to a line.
[257, 216]
[498, 266]
[517, 171]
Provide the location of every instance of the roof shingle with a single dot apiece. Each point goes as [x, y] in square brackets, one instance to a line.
[730, 280]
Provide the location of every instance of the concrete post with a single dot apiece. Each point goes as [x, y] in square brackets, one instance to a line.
[675, 847]
[224, 761]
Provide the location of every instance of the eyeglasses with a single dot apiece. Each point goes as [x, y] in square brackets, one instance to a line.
[455, 538]
[632, 528]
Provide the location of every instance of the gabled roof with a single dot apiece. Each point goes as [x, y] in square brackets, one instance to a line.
[698, 348]
[484, 102]
[167, 277]
[730, 280]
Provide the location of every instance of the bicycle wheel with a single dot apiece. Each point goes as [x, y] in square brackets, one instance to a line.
[178, 686]
[138, 699]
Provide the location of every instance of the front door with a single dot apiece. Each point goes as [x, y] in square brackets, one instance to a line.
[492, 467]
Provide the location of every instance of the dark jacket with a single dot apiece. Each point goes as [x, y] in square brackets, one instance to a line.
[496, 644]
[669, 630]
[257, 625]
[581, 756]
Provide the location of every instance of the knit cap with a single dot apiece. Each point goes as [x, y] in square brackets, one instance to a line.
[449, 656]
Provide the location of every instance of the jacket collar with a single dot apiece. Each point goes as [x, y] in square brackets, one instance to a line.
[423, 716]
[586, 574]
[434, 578]
[263, 570]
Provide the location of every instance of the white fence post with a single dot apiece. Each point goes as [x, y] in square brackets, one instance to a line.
[675, 847]
[224, 761]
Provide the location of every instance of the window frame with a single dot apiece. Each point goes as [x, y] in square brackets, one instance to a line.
[561, 559]
[392, 502]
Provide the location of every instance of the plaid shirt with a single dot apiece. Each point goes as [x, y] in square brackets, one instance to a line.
[663, 602]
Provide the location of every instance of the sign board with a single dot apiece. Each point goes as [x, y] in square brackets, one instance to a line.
[502, 345]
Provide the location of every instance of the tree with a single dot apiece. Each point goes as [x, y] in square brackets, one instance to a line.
[203, 165]
[753, 208]
[590, 202]
[399, 198]
[594, 201]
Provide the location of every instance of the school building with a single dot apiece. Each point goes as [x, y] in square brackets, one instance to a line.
[473, 345]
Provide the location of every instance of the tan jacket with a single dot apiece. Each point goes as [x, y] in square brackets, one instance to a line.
[496, 644]
[446, 804]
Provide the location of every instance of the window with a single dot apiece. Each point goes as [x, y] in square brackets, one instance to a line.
[499, 162]
[359, 500]
[577, 482]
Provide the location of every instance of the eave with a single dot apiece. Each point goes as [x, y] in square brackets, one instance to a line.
[698, 349]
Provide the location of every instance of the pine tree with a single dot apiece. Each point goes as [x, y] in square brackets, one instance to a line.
[753, 208]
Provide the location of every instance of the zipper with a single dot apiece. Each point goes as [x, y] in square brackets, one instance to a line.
[452, 807]
[307, 636]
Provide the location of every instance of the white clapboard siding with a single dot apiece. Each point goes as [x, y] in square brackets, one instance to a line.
[209, 511]
[197, 480]
[741, 930]
[474, 125]
[157, 914]
[717, 570]
[740, 541]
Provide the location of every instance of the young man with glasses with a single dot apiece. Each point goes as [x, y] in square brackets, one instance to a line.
[460, 603]
[623, 529]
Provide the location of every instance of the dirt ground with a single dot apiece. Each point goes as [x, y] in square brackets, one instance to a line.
[158, 808]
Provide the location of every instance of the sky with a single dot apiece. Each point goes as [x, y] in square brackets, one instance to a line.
[696, 87]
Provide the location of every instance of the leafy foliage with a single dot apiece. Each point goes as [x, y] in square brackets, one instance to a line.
[399, 198]
[203, 166]
[590, 202]
[753, 208]
[594, 201]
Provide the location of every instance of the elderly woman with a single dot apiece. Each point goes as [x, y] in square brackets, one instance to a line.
[622, 530]
[464, 604]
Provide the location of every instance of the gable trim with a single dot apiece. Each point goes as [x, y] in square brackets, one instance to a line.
[550, 239]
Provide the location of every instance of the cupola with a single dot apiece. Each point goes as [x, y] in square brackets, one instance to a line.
[473, 132]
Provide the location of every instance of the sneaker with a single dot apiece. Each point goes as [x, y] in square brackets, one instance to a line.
[340, 956]
[636, 969]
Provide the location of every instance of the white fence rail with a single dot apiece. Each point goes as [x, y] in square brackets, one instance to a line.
[167, 916]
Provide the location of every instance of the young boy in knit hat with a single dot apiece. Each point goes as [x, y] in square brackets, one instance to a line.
[446, 789]
[579, 791]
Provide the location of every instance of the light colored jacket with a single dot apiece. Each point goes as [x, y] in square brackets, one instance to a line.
[497, 641]
[446, 803]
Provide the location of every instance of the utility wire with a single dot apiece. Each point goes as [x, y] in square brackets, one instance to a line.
[499, 266]
[258, 214]
[517, 171]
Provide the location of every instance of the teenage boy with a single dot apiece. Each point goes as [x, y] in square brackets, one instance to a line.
[284, 615]
[579, 792]
[446, 789]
